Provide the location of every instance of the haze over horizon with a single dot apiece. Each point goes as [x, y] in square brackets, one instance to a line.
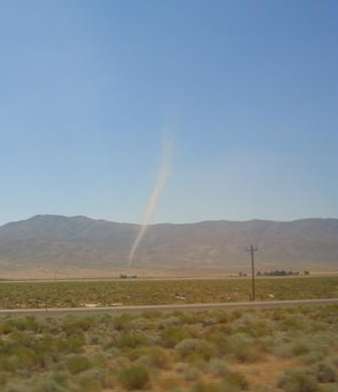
[247, 91]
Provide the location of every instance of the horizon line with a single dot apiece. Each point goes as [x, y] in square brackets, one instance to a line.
[169, 223]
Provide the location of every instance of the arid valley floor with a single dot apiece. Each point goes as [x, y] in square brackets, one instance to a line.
[288, 349]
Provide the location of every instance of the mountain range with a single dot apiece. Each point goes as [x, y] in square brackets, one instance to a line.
[50, 241]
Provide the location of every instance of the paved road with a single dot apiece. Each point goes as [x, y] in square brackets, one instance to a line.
[144, 308]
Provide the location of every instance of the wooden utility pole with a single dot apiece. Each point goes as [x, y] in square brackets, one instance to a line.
[252, 251]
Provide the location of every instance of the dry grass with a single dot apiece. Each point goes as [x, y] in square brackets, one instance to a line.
[141, 292]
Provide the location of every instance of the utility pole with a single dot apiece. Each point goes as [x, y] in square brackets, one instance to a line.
[252, 251]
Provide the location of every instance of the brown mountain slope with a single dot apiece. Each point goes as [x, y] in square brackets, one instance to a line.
[47, 240]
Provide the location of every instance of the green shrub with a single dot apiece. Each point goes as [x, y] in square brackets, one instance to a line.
[121, 361]
[122, 322]
[28, 323]
[60, 377]
[298, 380]
[217, 367]
[222, 316]
[300, 348]
[221, 342]
[16, 387]
[326, 372]
[334, 360]
[77, 364]
[72, 344]
[140, 324]
[170, 383]
[235, 380]
[135, 377]
[170, 337]
[48, 385]
[250, 324]
[208, 387]
[130, 340]
[242, 347]
[6, 327]
[159, 358]
[90, 381]
[313, 357]
[294, 323]
[3, 378]
[108, 379]
[143, 360]
[236, 314]
[73, 326]
[181, 367]
[151, 314]
[195, 347]
[170, 322]
[191, 374]
[329, 387]
[25, 358]
[7, 365]
[263, 388]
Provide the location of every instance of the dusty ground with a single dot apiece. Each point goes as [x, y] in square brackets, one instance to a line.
[108, 274]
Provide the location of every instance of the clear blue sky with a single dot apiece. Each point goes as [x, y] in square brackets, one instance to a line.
[248, 90]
